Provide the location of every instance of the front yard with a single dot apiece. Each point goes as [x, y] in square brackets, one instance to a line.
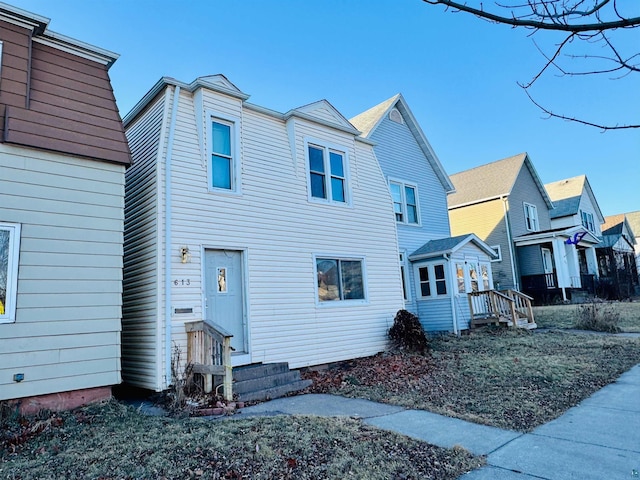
[564, 316]
[509, 379]
[113, 441]
[512, 379]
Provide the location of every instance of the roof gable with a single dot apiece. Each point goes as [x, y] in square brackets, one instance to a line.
[219, 83]
[442, 246]
[566, 195]
[323, 111]
[368, 121]
[634, 221]
[492, 180]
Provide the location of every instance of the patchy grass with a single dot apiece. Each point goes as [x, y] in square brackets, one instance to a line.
[566, 316]
[510, 379]
[113, 441]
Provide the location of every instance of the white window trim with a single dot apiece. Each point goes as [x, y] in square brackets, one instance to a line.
[466, 263]
[432, 280]
[236, 163]
[498, 250]
[590, 219]
[326, 147]
[9, 315]
[340, 303]
[404, 184]
[534, 217]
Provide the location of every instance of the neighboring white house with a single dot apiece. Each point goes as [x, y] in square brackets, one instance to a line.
[277, 227]
[575, 205]
[437, 270]
[63, 155]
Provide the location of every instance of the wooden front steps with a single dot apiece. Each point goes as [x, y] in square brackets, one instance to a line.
[508, 308]
[266, 381]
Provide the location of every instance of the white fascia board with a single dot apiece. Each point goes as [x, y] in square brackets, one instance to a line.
[482, 200]
[76, 47]
[319, 121]
[23, 18]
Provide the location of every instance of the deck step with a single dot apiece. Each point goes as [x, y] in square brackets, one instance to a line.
[266, 381]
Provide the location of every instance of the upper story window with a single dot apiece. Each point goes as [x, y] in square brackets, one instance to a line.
[531, 217]
[405, 202]
[224, 161]
[327, 173]
[9, 248]
[587, 221]
[432, 280]
[340, 279]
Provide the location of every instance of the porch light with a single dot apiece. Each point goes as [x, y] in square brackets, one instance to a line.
[185, 256]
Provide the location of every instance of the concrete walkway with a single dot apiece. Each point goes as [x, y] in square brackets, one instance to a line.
[598, 439]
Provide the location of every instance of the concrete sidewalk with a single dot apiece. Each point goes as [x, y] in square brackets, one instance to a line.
[598, 439]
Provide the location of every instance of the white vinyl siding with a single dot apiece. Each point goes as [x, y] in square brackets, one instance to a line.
[142, 305]
[66, 333]
[282, 233]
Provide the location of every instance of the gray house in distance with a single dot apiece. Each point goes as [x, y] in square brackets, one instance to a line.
[506, 204]
[438, 270]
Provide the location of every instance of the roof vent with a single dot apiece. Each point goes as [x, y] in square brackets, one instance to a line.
[395, 116]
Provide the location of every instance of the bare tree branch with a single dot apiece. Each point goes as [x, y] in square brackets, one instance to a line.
[586, 23]
[577, 120]
[517, 21]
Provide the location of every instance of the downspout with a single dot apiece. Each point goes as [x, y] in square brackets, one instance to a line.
[167, 235]
[456, 328]
[511, 251]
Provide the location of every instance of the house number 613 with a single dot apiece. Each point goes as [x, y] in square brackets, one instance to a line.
[182, 282]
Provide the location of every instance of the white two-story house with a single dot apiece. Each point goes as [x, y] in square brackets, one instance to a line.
[276, 226]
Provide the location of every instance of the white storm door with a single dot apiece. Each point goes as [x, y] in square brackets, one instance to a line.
[547, 263]
[224, 290]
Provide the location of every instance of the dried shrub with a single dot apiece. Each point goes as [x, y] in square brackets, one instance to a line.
[599, 317]
[407, 333]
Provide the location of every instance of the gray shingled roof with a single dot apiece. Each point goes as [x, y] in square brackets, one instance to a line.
[439, 246]
[366, 121]
[485, 182]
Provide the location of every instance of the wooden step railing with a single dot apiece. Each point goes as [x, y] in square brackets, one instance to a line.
[209, 353]
[507, 306]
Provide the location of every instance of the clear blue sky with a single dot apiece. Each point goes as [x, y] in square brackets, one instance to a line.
[459, 74]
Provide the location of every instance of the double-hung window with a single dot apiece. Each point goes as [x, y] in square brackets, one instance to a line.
[432, 279]
[327, 173]
[9, 248]
[587, 221]
[531, 217]
[405, 202]
[224, 174]
[340, 279]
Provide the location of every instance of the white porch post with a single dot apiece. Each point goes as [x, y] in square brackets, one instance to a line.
[561, 265]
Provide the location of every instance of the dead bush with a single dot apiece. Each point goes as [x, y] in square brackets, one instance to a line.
[407, 333]
[599, 317]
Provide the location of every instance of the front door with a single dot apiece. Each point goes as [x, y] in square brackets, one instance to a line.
[547, 263]
[224, 291]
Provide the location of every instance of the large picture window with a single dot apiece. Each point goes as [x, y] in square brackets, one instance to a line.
[405, 202]
[327, 173]
[9, 248]
[340, 279]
